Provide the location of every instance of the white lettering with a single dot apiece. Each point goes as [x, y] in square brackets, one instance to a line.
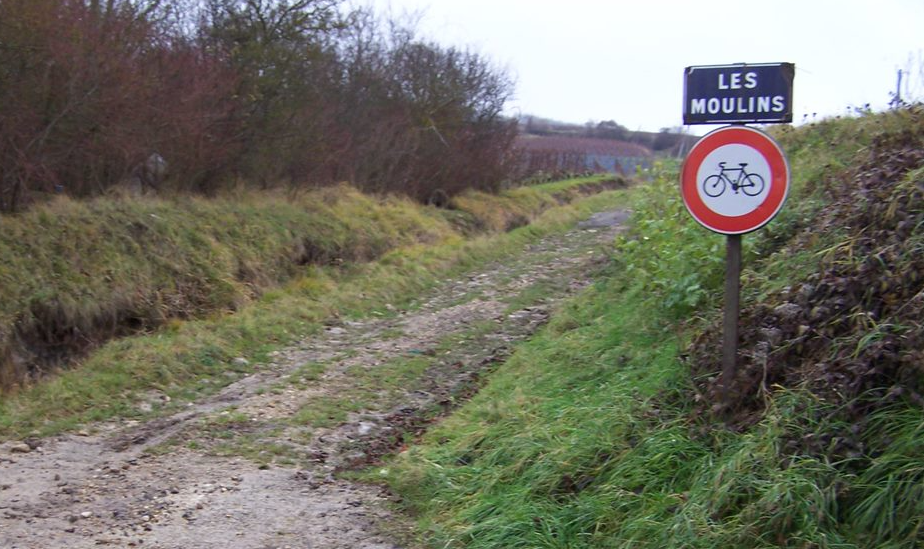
[697, 106]
[738, 105]
[763, 104]
[728, 105]
[779, 104]
[745, 105]
[735, 81]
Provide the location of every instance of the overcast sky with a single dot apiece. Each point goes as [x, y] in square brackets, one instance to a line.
[623, 60]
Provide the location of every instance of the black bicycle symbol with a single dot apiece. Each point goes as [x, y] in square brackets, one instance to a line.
[752, 184]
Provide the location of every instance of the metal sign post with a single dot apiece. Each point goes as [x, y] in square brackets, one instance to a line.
[732, 308]
[735, 179]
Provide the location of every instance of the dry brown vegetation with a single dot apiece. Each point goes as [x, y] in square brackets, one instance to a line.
[79, 273]
[197, 97]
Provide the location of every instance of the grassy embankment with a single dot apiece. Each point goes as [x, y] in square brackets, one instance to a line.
[601, 431]
[137, 293]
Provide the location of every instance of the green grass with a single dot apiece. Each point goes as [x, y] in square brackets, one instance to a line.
[545, 432]
[377, 387]
[187, 359]
[563, 186]
[593, 435]
[76, 274]
[530, 295]
[306, 374]
[887, 501]
[582, 440]
[515, 207]
[79, 272]
[369, 388]
[366, 388]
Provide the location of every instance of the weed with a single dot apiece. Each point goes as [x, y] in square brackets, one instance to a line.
[668, 253]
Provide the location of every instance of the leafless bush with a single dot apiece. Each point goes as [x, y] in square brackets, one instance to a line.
[271, 92]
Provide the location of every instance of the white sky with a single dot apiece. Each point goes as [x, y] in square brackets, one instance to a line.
[623, 60]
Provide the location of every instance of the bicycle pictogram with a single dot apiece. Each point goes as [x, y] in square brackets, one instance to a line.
[751, 184]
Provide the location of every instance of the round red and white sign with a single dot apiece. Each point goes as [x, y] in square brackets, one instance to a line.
[734, 180]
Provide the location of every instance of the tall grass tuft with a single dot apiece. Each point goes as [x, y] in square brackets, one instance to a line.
[887, 502]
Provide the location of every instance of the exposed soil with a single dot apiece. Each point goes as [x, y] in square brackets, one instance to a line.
[238, 470]
[852, 331]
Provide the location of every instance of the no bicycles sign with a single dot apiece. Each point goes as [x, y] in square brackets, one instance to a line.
[734, 180]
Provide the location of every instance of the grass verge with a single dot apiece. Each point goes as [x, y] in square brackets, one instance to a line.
[595, 434]
[190, 358]
[77, 274]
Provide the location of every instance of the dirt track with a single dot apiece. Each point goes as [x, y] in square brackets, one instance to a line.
[173, 483]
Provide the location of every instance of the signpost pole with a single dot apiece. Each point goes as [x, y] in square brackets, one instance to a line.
[732, 306]
[735, 200]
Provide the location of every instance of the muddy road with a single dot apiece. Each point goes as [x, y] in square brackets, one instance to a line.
[256, 466]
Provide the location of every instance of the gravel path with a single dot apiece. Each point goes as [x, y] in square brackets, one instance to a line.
[235, 470]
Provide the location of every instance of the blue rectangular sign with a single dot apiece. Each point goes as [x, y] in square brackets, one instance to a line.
[722, 94]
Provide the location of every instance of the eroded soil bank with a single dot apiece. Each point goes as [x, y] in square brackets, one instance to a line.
[256, 466]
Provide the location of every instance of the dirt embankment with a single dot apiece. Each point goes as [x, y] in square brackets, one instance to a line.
[851, 332]
[79, 274]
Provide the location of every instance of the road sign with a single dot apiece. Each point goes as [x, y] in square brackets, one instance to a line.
[724, 94]
[734, 180]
